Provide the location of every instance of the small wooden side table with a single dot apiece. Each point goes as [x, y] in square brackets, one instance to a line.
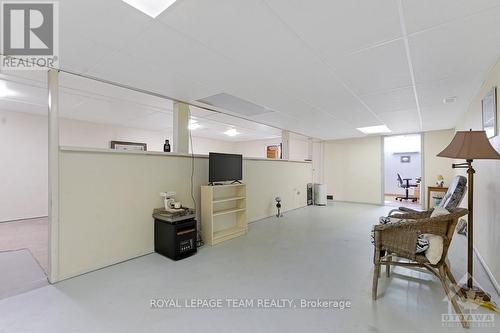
[431, 189]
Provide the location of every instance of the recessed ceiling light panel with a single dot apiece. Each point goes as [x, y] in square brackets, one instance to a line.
[151, 8]
[194, 126]
[449, 100]
[231, 132]
[374, 129]
[235, 104]
[5, 91]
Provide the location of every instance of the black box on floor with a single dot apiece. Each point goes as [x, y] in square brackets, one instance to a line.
[175, 240]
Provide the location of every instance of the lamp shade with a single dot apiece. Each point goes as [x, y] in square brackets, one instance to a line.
[470, 145]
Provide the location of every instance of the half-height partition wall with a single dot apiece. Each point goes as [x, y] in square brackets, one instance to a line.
[105, 185]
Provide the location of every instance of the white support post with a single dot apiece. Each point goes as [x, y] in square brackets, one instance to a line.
[53, 158]
[310, 144]
[285, 145]
[180, 142]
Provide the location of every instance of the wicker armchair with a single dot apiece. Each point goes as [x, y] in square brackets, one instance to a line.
[399, 239]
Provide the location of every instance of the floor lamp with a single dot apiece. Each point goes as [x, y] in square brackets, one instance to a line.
[470, 145]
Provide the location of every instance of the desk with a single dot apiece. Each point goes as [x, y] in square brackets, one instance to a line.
[431, 189]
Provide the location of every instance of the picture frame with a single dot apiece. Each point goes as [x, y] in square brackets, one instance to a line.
[273, 152]
[489, 113]
[128, 146]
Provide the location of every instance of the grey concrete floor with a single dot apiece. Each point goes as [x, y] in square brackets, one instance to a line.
[31, 234]
[314, 252]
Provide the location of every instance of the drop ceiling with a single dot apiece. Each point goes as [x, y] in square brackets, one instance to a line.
[324, 68]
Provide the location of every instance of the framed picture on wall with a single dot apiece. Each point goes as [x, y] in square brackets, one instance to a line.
[489, 110]
[124, 145]
[273, 152]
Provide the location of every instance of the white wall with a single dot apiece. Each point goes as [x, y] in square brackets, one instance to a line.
[23, 166]
[106, 200]
[299, 147]
[487, 181]
[256, 148]
[205, 146]
[353, 169]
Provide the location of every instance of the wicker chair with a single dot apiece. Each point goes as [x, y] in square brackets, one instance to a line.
[399, 239]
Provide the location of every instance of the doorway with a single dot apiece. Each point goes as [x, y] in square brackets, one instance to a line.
[23, 194]
[403, 171]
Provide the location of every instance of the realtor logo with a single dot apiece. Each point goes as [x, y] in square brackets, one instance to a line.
[29, 34]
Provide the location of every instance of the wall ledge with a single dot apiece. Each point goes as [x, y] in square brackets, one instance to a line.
[158, 153]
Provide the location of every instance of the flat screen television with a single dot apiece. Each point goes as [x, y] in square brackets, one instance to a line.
[224, 167]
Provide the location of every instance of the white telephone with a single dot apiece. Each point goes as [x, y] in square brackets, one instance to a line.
[169, 200]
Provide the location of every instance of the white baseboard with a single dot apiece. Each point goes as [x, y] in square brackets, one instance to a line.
[494, 282]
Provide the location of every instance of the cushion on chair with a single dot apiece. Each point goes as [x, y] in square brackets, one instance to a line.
[433, 243]
[455, 194]
[435, 248]
[424, 243]
[439, 211]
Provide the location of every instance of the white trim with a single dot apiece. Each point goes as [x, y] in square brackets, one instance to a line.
[53, 158]
[24, 219]
[494, 282]
[157, 153]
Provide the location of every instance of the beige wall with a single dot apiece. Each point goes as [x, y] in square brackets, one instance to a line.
[433, 143]
[23, 144]
[353, 169]
[487, 182]
[106, 200]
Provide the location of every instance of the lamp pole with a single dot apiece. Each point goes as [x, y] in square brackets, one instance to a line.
[470, 145]
[477, 293]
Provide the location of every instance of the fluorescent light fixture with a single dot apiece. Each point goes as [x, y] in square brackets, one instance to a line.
[4, 91]
[194, 126]
[231, 132]
[374, 129]
[151, 8]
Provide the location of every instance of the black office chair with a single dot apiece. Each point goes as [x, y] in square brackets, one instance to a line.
[405, 183]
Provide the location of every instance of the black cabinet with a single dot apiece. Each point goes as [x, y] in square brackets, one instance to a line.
[175, 240]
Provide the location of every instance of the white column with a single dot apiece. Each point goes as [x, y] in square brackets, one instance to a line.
[310, 143]
[53, 158]
[285, 145]
[180, 142]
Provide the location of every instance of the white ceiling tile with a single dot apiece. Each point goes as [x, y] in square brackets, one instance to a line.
[243, 30]
[17, 105]
[163, 80]
[377, 69]
[402, 121]
[433, 93]
[243, 123]
[333, 28]
[390, 101]
[462, 48]
[439, 117]
[424, 14]
[109, 23]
